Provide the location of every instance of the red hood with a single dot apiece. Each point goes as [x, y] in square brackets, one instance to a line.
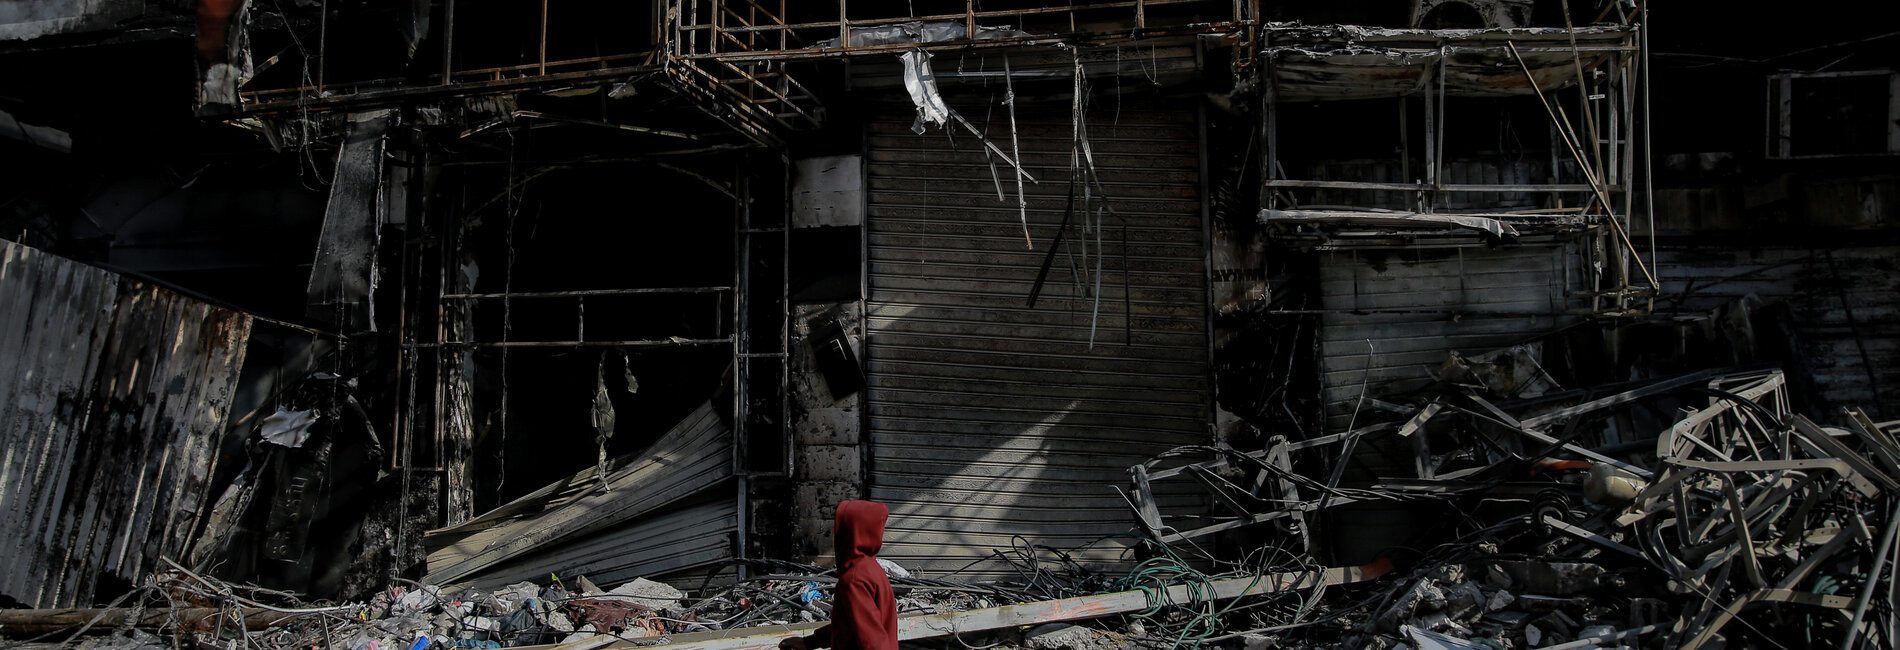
[860, 530]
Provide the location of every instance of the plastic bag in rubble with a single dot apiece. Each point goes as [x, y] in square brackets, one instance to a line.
[892, 569]
[428, 597]
[515, 596]
[810, 593]
[516, 626]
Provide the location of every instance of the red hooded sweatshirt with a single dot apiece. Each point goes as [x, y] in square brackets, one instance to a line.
[864, 611]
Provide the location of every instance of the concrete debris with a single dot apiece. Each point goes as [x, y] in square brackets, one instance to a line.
[1062, 636]
[650, 594]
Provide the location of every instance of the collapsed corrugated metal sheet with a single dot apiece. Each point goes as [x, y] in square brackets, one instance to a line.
[652, 547]
[989, 418]
[634, 525]
[1348, 62]
[118, 392]
[1393, 315]
[1841, 299]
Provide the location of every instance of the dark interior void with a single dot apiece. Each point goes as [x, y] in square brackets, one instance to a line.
[1265, 360]
[602, 227]
[1452, 15]
[149, 190]
[374, 41]
[1719, 83]
[1488, 141]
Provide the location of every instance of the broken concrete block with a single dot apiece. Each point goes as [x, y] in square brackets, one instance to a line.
[655, 595]
[1499, 600]
[1062, 636]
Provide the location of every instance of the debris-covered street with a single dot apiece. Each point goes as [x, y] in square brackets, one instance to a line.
[1109, 325]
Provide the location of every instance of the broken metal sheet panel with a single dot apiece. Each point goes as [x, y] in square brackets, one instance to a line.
[1348, 62]
[695, 456]
[41, 136]
[652, 545]
[989, 419]
[29, 19]
[343, 276]
[116, 393]
[1394, 316]
[1492, 225]
[828, 191]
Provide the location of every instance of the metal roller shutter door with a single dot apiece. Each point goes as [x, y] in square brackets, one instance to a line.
[990, 419]
[1393, 316]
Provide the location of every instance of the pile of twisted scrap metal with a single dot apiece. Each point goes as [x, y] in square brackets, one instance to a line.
[1694, 511]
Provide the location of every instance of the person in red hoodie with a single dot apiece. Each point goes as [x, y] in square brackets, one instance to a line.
[864, 610]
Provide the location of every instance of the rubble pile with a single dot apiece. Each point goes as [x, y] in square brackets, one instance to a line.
[182, 609]
[1693, 511]
[1551, 519]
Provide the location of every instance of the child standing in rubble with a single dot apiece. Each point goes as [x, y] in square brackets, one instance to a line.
[864, 612]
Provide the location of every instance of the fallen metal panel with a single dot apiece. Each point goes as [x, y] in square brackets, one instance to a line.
[1392, 316]
[556, 524]
[989, 418]
[343, 276]
[116, 395]
[653, 545]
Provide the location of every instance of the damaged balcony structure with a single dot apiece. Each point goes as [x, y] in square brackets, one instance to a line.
[1497, 217]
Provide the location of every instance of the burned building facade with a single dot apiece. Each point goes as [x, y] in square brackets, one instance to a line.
[476, 293]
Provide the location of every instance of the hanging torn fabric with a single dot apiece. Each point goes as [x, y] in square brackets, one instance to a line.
[922, 84]
[603, 407]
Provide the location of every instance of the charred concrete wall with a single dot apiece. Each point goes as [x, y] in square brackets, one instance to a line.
[827, 415]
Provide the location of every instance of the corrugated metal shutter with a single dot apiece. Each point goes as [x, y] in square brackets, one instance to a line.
[116, 393]
[1419, 304]
[990, 419]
